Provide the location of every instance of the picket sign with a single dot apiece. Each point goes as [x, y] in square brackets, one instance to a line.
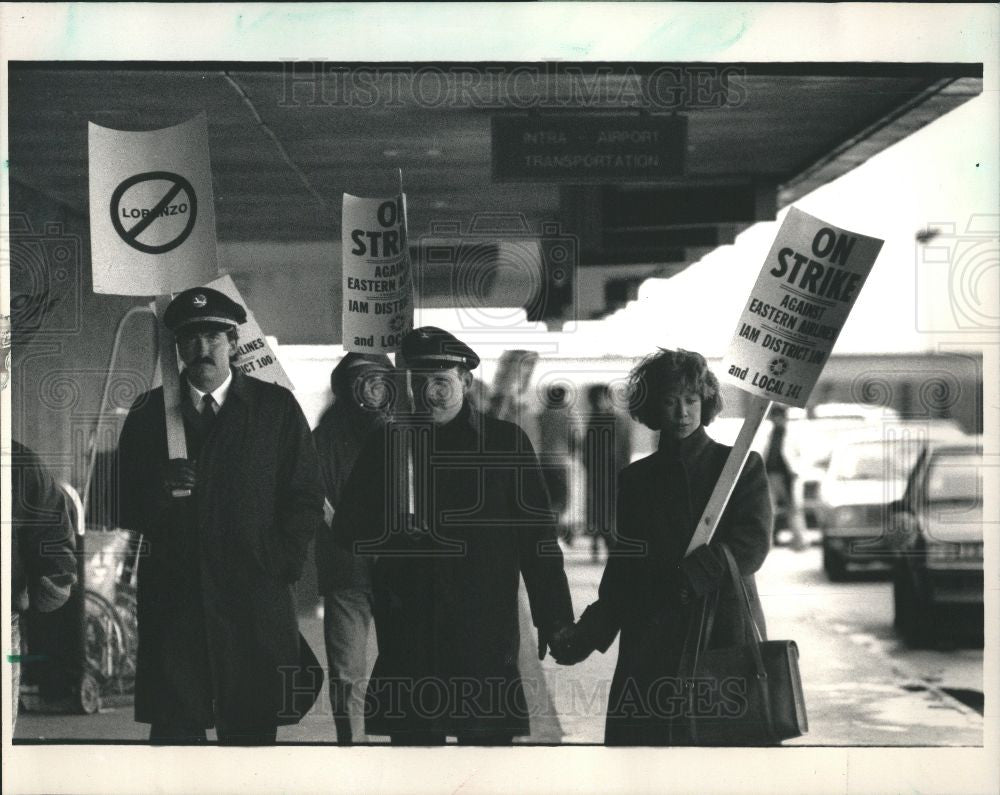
[730, 474]
[152, 233]
[411, 489]
[152, 209]
[255, 356]
[377, 308]
[803, 295]
[169, 375]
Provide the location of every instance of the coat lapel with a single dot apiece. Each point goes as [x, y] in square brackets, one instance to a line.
[680, 472]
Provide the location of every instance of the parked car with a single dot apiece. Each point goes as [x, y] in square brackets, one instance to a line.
[812, 434]
[810, 437]
[867, 472]
[937, 537]
[862, 411]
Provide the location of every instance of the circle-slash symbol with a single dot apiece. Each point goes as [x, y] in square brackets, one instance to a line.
[163, 208]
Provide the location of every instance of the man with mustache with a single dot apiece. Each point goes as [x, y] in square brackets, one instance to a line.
[452, 507]
[218, 635]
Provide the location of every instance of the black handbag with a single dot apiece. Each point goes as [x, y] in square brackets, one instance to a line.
[749, 694]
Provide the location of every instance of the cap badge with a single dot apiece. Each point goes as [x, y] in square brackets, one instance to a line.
[199, 300]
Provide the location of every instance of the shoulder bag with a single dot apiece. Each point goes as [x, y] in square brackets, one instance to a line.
[748, 694]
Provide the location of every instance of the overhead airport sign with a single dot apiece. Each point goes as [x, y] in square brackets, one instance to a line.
[810, 280]
[588, 148]
[152, 212]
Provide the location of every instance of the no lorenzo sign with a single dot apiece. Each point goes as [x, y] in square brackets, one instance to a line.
[160, 208]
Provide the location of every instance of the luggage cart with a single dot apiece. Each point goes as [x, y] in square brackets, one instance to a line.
[84, 653]
[110, 629]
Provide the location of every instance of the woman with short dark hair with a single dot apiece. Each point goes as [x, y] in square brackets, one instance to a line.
[664, 371]
[650, 591]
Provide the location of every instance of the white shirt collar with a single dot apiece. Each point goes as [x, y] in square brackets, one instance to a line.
[218, 395]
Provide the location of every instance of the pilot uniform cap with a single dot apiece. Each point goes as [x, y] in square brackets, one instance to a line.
[203, 306]
[355, 359]
[432, 348]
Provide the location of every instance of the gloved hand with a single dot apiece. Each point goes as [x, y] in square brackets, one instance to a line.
[700, 573]
[680, 589]
[178, 475]
[570, 646]
[550, 637]
[51, 592]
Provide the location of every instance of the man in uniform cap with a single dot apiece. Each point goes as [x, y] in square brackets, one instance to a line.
[447, 560]
[218, 634]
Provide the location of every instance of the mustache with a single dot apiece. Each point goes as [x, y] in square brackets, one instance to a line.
[204, 360]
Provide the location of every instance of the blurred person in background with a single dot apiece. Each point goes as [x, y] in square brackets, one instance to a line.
[555, 431]
[479, 396]
[605, 447]
[781, 478]
[362, 397]
[43, 550]
[650, 591]
[509, 398]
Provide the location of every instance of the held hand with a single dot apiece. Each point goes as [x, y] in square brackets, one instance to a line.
[679, 587]
[549, 637]
[681, 593]
[569, 646]
[178, 475]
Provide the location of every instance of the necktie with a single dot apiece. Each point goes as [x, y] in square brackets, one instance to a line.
[207, 416]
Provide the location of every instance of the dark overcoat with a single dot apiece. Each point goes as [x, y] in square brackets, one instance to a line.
[445, 604]
[338, 438]
[660, 500]
[218, 634]
[42, 546]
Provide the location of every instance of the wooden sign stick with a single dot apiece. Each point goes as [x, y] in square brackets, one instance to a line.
[730, 474]
[176, 442]
[411, 494]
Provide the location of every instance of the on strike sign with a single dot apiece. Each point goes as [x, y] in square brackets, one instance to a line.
[805, 291]
[152, 214]
[378, 289]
